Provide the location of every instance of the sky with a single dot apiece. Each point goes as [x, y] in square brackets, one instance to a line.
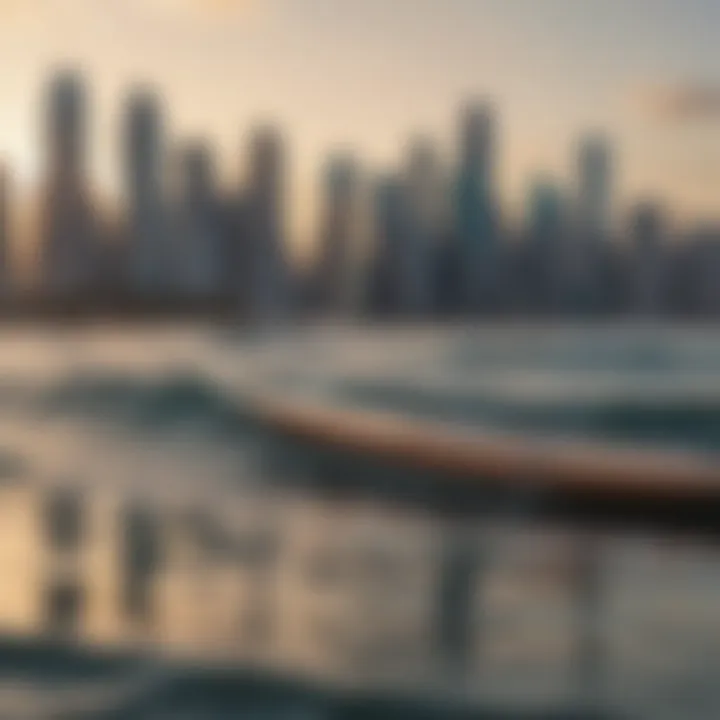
[370, 74]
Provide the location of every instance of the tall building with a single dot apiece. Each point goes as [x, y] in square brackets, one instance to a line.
[701, 270]
[546, 231]
[268, 291]
[589, 252]
[648, 271]
[6, 276]
[426, 222]
[476, 221]
[199, 242]
[594, 188]
[339, 235]
[390, 221]
[545, 213]
[68, 242]
[148, 255]
[235, 248]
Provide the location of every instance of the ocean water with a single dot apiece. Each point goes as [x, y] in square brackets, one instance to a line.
[145, 433]
[648, 386]
[105, 406]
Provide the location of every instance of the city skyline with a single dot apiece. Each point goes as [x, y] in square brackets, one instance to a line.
[365, 76]
[427, 238]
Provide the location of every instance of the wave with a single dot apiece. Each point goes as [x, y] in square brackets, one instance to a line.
[692, 423]
[183, 399]
[154, 403]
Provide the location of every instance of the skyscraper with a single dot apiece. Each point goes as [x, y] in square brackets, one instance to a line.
[545, 212]
[335, 280]
[390, 221]
[476, 221]
[235, 249]
[426, 219]
[6, 277]
[545, 241]
[149, 257]
[647, 253]
[594, 189]
[590, 250]
[199, 243]
[68, 251]
[696, 274]
[267, 269]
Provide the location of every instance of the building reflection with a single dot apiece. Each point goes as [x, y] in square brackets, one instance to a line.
[357, 593]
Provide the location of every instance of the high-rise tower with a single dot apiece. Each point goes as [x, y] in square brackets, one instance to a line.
[149, 257]
[199, 243]
[68, 247]
[339, 236]
[425, 193]
[475, 208]
[648, 265]
[268, 272]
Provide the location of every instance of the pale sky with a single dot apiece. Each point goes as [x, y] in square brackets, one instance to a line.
[370, 73]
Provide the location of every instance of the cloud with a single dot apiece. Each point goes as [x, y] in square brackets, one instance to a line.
[685, 102]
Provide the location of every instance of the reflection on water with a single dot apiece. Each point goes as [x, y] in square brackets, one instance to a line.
[362, 596]
[146, 550]
[140, 562]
